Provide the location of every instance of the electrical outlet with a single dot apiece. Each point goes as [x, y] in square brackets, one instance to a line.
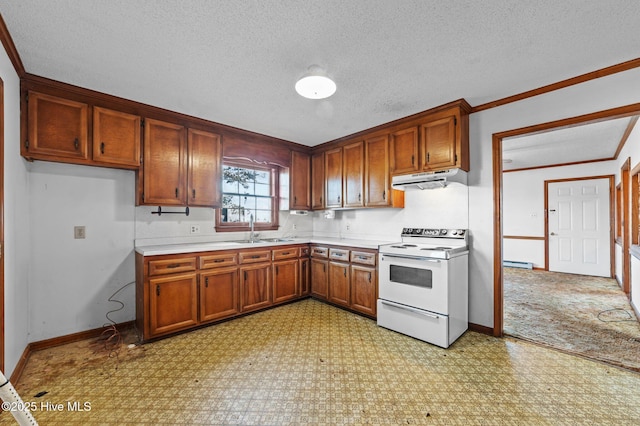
[348, 226]
[195, 229]
[79, 232]
[295, 226]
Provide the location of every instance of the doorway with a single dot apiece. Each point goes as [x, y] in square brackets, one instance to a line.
[498, 157]
[1, 225]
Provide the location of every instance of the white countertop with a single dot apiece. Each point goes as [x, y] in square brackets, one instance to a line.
[156, 250]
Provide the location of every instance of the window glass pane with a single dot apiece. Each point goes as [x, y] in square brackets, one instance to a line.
[229, 186]
[248, 202]
[263, 177]
[247, 191]
[263, 203]
[262, 189]
[263, 216]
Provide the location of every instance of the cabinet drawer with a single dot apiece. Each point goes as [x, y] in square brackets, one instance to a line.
[285, 253]
[305, 251]
[339, 254]
[255, 256]
[363, 257]
[218, 260]
[172, 266]
[317, 251]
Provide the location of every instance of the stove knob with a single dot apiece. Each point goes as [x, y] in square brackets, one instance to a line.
[443, 232]
[455, 232]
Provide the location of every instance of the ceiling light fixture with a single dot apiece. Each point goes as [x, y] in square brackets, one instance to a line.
[315, 84]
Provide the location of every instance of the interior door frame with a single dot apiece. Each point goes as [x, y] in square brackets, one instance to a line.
[612, 253]
[626, 229]
[1, 225]
[498, 301]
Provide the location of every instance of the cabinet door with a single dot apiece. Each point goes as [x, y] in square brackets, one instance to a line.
[377, 178]
[300, 197]
[254, 287]
[404, 151]
[116, 137]
[285, 280]
[219, 294]
[173, 303]
[439, 144]
[333, 177]
[57, 127]
[317, 181]
[165, 164]
[353, 160]
[339, 278]
[205, 168]
[319, 278]
[363, 289]
[305, 276]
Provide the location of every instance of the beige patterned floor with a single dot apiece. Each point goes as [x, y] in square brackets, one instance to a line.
[310, 363]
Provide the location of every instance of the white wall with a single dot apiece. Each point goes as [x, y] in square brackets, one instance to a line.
[71, 279]
[16, 223]
[523, 206]
[436, 208]
[596, 95]
[631, 150]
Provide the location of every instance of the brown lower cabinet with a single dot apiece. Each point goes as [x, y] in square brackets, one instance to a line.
[178, 292]
[345, 277]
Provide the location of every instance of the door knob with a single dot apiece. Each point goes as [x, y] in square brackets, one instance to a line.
[553, 233]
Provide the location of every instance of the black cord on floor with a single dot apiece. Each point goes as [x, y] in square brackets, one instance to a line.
[630, 317]
[111, 335]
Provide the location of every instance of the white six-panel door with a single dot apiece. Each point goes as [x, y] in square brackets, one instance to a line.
[579, 227]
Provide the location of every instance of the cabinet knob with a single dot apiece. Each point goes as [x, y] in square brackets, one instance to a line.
[206, 281]
[427, 157]
[384, 195]
[157, 290]
[413, 160]
[176, 192]
[102, 148]
[76, 143]
[345, 272]
[369, 276]
[193, 193]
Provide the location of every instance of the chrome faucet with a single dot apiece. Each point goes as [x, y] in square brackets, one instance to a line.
[252, 235]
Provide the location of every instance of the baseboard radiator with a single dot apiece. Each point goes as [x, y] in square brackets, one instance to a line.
[514, 264]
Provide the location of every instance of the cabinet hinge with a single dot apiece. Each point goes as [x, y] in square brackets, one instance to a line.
[26, 144]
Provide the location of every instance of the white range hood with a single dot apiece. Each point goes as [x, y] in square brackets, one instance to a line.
[429, 180]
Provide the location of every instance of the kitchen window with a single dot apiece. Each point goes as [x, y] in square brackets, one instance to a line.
[248, 190]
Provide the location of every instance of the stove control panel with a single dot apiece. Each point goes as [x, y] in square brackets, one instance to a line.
[429, 232]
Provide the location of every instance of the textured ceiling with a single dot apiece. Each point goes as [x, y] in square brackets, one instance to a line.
[236, 62]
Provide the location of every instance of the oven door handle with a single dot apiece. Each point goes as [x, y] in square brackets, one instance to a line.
[410, 309]
[427, 259]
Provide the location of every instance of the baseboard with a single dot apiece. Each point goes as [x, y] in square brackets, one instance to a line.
[481, 329]
[539, 268]
[57, 341]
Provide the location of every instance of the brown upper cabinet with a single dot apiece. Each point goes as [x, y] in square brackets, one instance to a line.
[165, 164]
[300, 186]
[404, 156]
[378, 192]
[317, 181]
[333, 177]
[204, 150]
[436, 141]
[180, 167]
[57, 128]
[116, 137]
[353, 174]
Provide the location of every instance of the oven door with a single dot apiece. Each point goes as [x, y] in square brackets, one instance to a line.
[418, 282]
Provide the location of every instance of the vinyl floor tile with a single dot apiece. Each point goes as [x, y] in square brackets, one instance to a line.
[309, 363]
